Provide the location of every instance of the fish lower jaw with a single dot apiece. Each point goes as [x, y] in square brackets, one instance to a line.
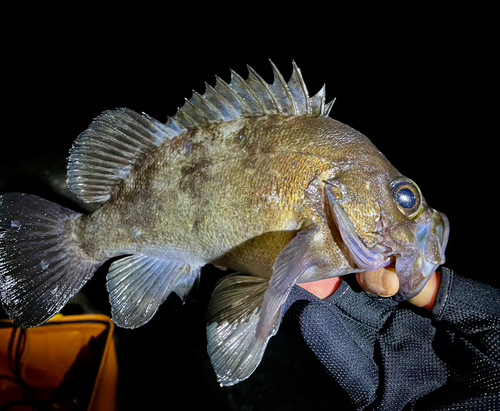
[413, 274]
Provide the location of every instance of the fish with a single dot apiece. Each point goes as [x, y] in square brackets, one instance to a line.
[251, 176]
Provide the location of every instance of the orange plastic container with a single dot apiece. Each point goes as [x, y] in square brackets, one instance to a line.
[68, 363]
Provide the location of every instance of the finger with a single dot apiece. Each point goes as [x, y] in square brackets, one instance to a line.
[383, 282]
[322, 288]
[427, 296]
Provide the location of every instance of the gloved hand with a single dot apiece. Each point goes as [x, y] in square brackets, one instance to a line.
[379, 352]
[383, 282]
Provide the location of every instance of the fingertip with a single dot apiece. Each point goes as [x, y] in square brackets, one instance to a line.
[383, 282]
[426, 297]
[322, 288]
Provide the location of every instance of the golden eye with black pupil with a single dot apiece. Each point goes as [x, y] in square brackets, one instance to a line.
[407, 196]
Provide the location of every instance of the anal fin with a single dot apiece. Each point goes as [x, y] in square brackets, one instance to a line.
[245, 312]
[138, 284]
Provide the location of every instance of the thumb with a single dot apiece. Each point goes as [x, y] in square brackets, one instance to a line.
[383, 282]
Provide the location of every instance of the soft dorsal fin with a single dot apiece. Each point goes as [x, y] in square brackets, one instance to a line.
[104, 154]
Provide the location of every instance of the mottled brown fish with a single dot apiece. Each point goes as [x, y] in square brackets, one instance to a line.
[251, 176]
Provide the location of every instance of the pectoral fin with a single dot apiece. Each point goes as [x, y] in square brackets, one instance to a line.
[245, 312]
[138, 284]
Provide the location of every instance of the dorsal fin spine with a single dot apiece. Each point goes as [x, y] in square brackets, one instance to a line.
[191, 115]
[263, 92]
[245, 93]
[317, 105]
[219, 102]
[195, 111]
[328, 107]
[184, 119]
[282, 93]
[252, 97]
[175, 126]
[161, 130]
[299, 93]
[239, 106]
[212, 113]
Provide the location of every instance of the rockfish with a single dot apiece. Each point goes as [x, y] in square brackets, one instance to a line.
[251, 176]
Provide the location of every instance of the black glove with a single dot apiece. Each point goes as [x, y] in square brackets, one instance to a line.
[380, 353]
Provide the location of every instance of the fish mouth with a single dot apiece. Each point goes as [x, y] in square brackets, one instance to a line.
[413, 263]
[415, 268]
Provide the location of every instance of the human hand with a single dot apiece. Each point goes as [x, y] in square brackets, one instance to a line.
[322, 288]
[382, 282]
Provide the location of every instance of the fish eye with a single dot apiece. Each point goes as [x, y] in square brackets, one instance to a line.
[407, 196]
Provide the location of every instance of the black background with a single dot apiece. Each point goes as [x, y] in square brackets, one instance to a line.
[422, 85]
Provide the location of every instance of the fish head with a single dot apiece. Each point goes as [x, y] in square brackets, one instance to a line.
[381, 219]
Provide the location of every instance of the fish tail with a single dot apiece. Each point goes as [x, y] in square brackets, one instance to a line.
[41, 263]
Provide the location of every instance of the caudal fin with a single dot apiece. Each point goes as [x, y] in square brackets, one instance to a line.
[41, 264]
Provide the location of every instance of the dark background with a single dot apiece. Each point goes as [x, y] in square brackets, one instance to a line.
[421, 85]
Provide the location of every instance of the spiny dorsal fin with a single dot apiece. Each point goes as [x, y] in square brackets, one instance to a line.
[251, 98]
[104, 154]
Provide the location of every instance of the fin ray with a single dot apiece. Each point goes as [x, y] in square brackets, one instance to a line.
[236, 104]
[233, 317]
[41, 266]
[262, 92]
[282, 93]
[252, 97]
[104, 154]
[246, 93]
[220, 103]
[245, 312]
[138, 284]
